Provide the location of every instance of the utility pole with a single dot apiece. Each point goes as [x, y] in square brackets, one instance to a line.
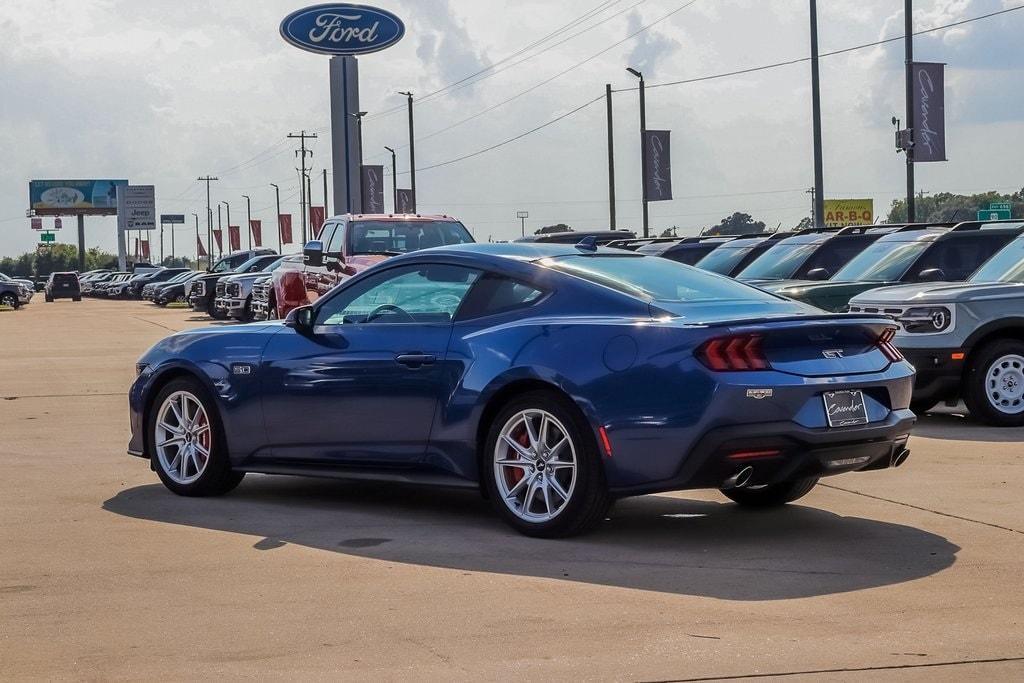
[814, 207]
[196, 216]
[309, 195]
[412, 154]
[908, 40]
[643, 148]
[394, 179]
[818, 196]
[326, 212]
[209, 221]
[301, 136]
[248, 216]
[611, 157]
[359, 132]
[161, 242]
[277, 194]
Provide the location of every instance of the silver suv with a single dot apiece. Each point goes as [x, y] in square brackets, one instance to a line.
[965, 339]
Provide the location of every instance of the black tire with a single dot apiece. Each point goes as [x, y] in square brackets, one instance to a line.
[48, 298]
[977, 384]
[772, 496]
[76, 298]
[922, 407]
[215, 313]
[247, 311]
[588, 501]
[8, 299]
[218, 478]
[271, 309]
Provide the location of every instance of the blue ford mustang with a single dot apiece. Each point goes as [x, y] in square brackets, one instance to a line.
[556, 378]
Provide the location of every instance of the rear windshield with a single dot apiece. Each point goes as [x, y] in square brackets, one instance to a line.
[724, 259]
[883, 261]
[778, 262]
[1006, 266]
[399, 237]
[64, 278]
[655, 279]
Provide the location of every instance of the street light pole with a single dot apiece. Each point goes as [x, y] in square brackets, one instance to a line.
[394, 179]
[196, 216]
[643, 147]
[248, 216]
[209, 220]
[277, 195]
[412, 154]
[220, 231]
[819, 190]
[228, 211]
[327, 213]
[611, 157]
[908, 39]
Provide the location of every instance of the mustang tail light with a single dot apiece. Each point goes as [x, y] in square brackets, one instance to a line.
[736, 352]
[885, 344]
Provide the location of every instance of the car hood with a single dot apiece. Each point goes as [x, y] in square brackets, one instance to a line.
[776, 285]
[940, 292]
[244, 276]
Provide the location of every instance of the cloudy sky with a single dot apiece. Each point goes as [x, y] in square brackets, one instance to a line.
[162, 92]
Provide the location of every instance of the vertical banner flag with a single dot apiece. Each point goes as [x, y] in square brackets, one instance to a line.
[316, 220]
[135, 251]
[372, 181]
[405, 204]
[257, 232]
[145, 250]
[657, 165]
[57, 225]
[200, 249]
[234, 238]
[929, 111]
[284, 224]
[216, 236]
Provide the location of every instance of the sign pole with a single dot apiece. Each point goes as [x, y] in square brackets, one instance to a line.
[81, 243]
[908, 39]
[161, 242]
[611, 157]
[819, 190]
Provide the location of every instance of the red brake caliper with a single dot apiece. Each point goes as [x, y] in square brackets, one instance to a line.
[515, 474]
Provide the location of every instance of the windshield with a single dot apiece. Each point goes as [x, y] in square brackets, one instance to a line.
[724, 259]
[399, 237]
[883, 261]
[1006, 266]
[179, 277]
[655, 279]
[778, 262]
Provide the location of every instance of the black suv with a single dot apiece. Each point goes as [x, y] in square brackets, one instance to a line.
[63, 286]
[202, 291]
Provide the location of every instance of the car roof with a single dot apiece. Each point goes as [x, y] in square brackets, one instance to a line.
[396, 217]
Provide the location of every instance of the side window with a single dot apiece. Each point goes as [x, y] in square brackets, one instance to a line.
[835, 253]
[336, 245]
[326, 233]
[412, 294]
[959, 256]
[497, 294]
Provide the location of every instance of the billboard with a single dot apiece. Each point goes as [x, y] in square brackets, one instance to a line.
[842, 212]
[74, 197]
[136, 207]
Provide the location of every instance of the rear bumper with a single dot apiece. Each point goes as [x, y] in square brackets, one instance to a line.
[938, 375]
[798, 452]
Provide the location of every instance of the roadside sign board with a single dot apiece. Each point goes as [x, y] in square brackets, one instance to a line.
[37, 223]
[842, 212]
[47, 237]
[999, 206]
[994, 215]
[172, 218]
[136, 207]
[57, 225]
[74, 197]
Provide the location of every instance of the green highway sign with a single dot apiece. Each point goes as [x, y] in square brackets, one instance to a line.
[994, 215]
[47, 237]
[999, 206]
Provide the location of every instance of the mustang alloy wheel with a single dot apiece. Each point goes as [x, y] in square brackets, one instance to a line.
[543, 470]
[535, 465]
[994, 383]
[186, 441]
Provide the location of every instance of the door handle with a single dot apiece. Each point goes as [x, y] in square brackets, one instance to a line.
[415, 360]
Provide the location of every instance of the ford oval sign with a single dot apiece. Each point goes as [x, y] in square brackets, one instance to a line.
[342, 29]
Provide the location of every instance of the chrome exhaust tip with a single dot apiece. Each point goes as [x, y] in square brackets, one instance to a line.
[740, 479]
[900, 458]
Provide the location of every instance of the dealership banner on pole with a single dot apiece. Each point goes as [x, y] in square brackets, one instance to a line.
[200, 249]
[405, 203]
[284, 224]
[657, 165]
[217, 236]
[842, 212]
[316, 220]
[929, 97]
[256, 226]
[234, 238]
[372, 181]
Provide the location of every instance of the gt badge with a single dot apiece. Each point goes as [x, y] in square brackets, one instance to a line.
[759, 393]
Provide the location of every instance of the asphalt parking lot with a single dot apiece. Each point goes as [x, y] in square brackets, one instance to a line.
[909, 574]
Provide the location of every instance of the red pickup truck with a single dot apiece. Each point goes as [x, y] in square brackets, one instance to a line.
[351, 243]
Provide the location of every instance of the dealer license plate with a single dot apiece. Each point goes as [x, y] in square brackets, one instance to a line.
[845, 408]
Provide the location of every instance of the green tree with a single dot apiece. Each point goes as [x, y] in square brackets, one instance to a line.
[560, 227]
[946, 206]
[177, 262]
[805, 222]
[737, 224]
[669, 232]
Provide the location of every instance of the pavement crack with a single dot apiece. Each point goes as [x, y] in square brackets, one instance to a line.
[924, 509]
[815, 672]
[153, 322]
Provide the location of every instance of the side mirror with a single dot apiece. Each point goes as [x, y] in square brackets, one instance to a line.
[931, 275]
[313, 253]
[300, 319]
[818, 274]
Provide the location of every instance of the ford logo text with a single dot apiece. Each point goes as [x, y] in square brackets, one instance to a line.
[342, 29]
